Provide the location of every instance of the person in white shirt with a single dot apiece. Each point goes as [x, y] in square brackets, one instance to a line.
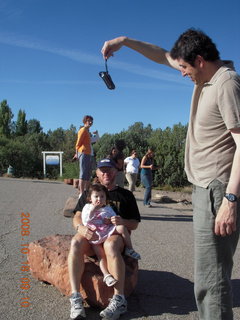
[132, 165]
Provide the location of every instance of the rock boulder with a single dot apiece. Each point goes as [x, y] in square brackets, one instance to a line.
[48, 263]
[70, 206]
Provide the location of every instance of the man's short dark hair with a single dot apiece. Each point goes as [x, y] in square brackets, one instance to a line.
[192, 43]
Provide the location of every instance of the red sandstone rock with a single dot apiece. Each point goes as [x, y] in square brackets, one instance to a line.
[70, 206]
[48, 262]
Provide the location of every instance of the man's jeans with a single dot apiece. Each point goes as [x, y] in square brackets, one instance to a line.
[213, 255]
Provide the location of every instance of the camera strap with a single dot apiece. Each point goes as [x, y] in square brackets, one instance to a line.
[106, 65]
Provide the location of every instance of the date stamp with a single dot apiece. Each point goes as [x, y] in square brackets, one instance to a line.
[25, 283]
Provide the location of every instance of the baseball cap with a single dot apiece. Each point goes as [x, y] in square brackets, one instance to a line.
[106, 163]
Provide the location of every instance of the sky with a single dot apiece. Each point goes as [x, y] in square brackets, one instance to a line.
[50, 57]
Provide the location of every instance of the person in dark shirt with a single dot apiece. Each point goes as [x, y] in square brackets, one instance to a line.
[127, 214]
[117, 156]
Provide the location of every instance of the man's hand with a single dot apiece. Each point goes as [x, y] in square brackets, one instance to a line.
[111, 46]
[116, 220]
[88, 233]
[225, 223]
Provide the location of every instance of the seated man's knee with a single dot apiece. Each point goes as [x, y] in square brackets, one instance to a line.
[113, 245]
[78, 244]
[120, 229]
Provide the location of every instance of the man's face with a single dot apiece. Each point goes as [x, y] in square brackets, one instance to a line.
[106, 176]
[193, 72]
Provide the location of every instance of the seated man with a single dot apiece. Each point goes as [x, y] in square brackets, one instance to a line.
[125, 206]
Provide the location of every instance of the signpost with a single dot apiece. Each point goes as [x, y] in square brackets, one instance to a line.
[52, 158]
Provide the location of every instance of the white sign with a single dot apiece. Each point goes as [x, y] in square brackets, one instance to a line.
[52, 160]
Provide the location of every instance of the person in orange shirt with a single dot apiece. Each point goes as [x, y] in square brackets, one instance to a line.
[83, 154]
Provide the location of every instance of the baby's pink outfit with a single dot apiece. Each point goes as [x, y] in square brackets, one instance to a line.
[97, 223]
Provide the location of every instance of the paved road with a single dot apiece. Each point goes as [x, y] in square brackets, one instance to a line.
[164, 239]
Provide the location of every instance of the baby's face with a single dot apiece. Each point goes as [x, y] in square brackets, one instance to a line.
[98, 198]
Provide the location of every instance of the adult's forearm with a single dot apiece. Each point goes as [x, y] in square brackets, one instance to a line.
[150, 51]
[131, 224]
[234, 181]
[77, 219]
[225, 223]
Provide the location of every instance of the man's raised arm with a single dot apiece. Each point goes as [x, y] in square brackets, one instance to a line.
[149, 50]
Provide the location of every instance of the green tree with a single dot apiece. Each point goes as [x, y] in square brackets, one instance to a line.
[34, 126]
[24, 150]
[4, 163]
[136, 138]
[6, 116]
[104, 145]
[56, 139]
[169, 145]
[69, 143]
[21, 126]
[24, 154]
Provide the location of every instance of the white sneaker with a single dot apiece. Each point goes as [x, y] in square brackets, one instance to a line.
[148, 205]
[77, 309]
[116, 307]
[109, 280]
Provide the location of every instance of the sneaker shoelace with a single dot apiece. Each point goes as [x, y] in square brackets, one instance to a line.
[112, 305]
[77, 302]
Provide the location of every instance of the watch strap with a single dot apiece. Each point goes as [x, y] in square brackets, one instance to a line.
[230, 197]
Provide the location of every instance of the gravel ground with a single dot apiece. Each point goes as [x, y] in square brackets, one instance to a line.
[164, 239]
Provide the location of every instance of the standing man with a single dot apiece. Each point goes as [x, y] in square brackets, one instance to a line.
[84, 154]
[212, 160]
[125, 206]
[132, 166]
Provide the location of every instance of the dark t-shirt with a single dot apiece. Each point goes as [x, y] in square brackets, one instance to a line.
[117, 157]
[121, 200]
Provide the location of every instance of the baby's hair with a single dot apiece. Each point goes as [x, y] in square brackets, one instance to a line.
[98, 188]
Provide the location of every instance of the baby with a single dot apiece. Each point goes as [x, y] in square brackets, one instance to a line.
[96, 215]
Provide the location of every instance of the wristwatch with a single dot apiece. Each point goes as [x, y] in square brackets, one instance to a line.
[231, 197]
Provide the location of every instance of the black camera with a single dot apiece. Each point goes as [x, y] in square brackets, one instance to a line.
[107, 78]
